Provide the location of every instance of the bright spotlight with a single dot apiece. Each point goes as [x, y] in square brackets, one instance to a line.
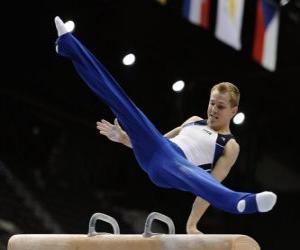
[129, 59]
[284, 2]
[239, 118]
[178, 86]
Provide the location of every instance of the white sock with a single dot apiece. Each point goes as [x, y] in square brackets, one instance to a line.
[265, 201]
[60, 26]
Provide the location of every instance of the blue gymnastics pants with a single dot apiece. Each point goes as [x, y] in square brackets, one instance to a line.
[161, 159]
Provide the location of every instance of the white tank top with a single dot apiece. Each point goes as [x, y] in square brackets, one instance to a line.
[198, 143]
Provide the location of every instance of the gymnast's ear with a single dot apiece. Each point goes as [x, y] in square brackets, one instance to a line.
[234, 110]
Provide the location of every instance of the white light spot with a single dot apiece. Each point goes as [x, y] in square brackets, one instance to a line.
[178, 86]
[129, 59]
[239, 118]
[284, 2]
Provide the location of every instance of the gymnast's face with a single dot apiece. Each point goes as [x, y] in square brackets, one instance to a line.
[220, 111]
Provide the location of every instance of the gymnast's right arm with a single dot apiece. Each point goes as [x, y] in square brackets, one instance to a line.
[113, 132]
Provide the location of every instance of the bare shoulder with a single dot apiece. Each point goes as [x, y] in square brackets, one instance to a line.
[233, 146]
[193, 119]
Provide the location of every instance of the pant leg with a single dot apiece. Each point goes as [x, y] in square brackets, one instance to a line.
[144, 137]
[156, 155]
[175, 171]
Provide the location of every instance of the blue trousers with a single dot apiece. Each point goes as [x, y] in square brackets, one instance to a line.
[161, 159]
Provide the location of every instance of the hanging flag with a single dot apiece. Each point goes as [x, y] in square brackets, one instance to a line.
[197, 12]
[229, 22]
[266, 34]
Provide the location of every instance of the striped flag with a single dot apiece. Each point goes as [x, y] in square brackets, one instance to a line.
[197, 12]
[266, 34]
[229, 22]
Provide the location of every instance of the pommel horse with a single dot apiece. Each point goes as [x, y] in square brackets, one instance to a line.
[146, 241]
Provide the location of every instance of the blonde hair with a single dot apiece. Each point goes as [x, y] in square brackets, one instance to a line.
[231, 89]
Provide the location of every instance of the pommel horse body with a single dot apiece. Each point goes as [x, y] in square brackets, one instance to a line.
[146, 241]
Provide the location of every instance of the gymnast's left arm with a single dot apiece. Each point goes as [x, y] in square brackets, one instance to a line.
[220, 171]
[227, 160]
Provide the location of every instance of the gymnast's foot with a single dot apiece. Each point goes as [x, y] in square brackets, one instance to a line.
[63, 28]
[60, 26]
[265, 201]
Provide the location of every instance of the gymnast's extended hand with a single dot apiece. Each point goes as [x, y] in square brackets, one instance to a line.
[113, 132]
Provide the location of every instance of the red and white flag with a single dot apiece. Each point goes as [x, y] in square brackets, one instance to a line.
[266, 34]
[197, 12]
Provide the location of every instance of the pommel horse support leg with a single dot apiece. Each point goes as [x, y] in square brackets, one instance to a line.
[146, 241]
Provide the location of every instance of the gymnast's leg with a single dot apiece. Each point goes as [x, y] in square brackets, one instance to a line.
[187, 177]
[104, 86]
[165, 166]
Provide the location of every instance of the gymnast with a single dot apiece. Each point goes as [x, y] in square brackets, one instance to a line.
[172, 162]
